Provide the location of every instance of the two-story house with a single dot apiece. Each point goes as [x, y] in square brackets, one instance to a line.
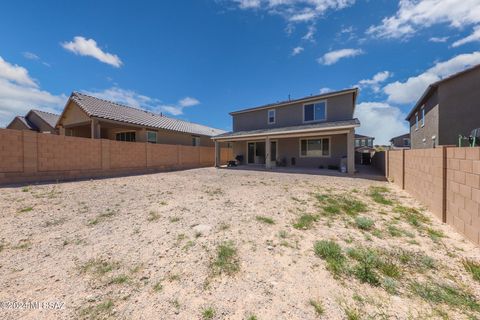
[448, 108]
[363, 141]
[400, 142]
[313, 132]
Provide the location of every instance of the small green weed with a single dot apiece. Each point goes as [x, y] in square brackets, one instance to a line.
[305, 221]
[227, 260]
[364, 223]
[266, 220]
[473, 268]
[317, 306]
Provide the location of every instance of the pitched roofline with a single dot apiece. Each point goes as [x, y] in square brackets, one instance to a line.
[304, 99]
[434, 86]
[41, 118]
[400, 136]
[360, 136]
[19, 117]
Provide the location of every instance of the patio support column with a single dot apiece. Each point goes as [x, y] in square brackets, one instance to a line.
[351, 152]
[95, 129]
[217, 154]
[268, 164]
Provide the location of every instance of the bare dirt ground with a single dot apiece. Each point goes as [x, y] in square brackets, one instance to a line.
[230, 244]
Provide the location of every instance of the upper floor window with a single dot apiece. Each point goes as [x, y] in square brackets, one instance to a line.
[315, 111]
[195, 141]
[125, 136]
[271, 116]
[357, 143]
[416, 121]
[423, 116]
[151, 136]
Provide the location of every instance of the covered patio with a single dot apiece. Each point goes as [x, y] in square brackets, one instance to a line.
[327, 145]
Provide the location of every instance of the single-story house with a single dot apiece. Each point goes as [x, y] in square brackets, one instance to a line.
[312, 132]
[91, 117]
[35, 120]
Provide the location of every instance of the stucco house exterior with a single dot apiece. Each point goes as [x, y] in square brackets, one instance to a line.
[448, 108]
[312, 132]
[400, 142]
[35, 120]
[91, 117]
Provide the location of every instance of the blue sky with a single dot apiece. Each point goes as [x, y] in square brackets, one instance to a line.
[198, 60]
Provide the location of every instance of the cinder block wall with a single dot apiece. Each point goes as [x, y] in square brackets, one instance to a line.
[446, 180]
[27, 156]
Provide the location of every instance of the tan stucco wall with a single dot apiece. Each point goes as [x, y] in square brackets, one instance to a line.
[338, 108]
[431, 125]
[73, 115]
[289, 148]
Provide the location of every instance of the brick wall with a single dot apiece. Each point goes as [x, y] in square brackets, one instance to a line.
[27, 156]
[446, 180]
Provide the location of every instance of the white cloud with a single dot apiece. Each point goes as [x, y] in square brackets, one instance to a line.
[474, 37]
[134, 99]
[19, 93]
[30, 55]
[325, 90]
[188, 102]
[297, 50]
[411, 90]
[380, 120]
[294, 10]
[15, 73]
[375, 82]
[310, 33]
[413, 15]
[88, 47]
[438, 39]
[333, 57]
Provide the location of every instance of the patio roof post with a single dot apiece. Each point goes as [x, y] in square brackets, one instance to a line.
[351, 151]
[217, 154]
[268, 164]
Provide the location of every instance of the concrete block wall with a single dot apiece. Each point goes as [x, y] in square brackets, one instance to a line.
[463, 191]
[27, 156]
[446, 180]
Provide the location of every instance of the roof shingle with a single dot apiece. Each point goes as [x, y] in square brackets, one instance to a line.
[48, 117]
[105, 109]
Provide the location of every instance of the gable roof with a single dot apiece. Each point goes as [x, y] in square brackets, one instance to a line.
[50, 118]
[304, 99]
[104, 109]
[25, 122]
[432, 87]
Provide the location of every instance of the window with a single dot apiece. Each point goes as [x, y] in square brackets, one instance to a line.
[195, 141]
[315, 111]
[357, 143]
[423, 116]
[125, 136]
[151, 136]
[416, 121]
[271, 116]
[315, 147]
[406, 142]
[363, 143]
[370, 142]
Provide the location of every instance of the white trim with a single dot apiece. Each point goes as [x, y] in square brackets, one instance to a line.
[274, 116]
[416, 120]
[280, 133]
[315, 120]
[315, 138]
[423, 116]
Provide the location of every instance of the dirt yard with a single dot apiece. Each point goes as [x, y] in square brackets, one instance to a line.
[230, 244]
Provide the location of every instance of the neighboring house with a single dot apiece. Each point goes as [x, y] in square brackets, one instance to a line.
[448, 108]
[91, 117]
[315, 131]
[363, 141]
[35, 120]
[400, 142]
[364, 149]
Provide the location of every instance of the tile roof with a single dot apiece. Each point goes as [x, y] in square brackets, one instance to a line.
[406, 135]
[105, 109]
[361, 136]
[283, 130]
[48, 117]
